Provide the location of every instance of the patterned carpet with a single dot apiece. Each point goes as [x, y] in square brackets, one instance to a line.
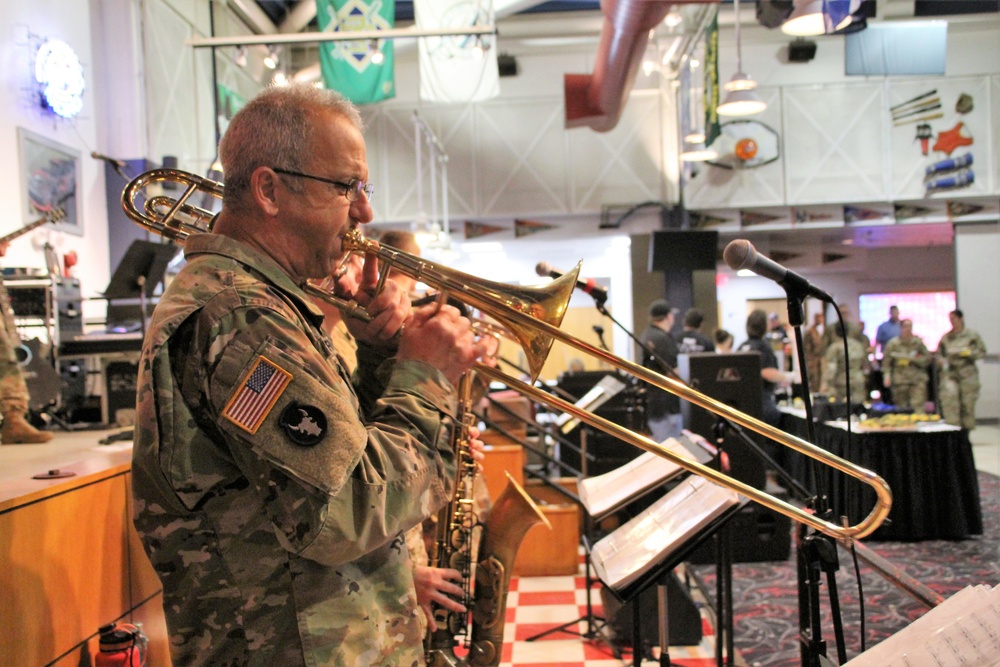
[765, 607]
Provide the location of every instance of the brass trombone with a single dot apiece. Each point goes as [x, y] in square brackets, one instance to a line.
[532, 316]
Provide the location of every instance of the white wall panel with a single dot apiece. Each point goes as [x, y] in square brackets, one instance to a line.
[837, 151]
[624, 165]
[178, 90]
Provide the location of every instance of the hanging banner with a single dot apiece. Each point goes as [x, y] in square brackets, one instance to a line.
[347, 66]
[456, 68]
[711, 100]
[528, 227]
[474, 230]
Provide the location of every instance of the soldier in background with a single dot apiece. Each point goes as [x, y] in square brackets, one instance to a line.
[812, 342]
[957, 354]
[835, 373]
[13, 391]
[905, 359]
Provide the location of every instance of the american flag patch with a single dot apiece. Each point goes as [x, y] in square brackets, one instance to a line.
[256, 395]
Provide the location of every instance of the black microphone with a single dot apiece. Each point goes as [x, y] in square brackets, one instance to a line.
[740, 254]
[100, 156]
[589, 286]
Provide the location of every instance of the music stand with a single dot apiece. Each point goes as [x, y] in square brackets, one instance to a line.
[644, 551]
[603, 495]
[140, 272]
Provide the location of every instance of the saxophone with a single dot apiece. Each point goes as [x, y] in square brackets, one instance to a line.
[500, 536]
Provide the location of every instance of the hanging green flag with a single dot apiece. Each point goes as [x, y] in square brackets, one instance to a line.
[712, 80]
[350, 67]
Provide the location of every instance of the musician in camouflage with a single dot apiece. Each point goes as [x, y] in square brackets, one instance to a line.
[837, 369]
[14, 393]
[958, 381]
[905, 359]
[271, 493]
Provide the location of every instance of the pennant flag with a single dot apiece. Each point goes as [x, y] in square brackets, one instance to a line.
[750, 218]
[857, 214]
[347, 66]
[529, 227]
[806, 215]
[474, 230]
[957, 209]
[456, 68]
[905, 211]
[701, 220]
[712, 80]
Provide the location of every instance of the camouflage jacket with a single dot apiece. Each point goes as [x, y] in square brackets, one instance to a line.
[905, 361]
[270, 494]
[961, 351]
[836, 371]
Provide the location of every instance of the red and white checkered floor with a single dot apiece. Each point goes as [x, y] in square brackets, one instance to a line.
[537, 604]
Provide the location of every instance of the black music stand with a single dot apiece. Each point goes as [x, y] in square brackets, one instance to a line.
[682, 521]
[139, 273]
[604, 495]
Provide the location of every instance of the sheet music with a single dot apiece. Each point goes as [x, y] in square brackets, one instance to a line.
[962, 631]
[641, 544]
[604, 493]
[598, 395]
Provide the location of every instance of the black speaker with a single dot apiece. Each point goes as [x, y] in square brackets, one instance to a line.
[506, 64]
[758, 534]
[608, 451]
[683, 619]
[733, 379]
[801, 51]
[684, 251]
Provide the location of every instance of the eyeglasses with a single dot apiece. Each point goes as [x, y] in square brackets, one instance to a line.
[352, 188]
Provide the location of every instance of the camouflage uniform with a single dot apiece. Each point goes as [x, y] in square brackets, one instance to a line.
[812, 341]
[905, 362]
[270, 494]
[13, 391]
[959, 380]
[835, 372]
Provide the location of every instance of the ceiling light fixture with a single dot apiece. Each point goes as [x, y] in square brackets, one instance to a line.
[271, 59]
[696, 152]
[377, 56]
[741, 99]
[808, 18]
[479, 48]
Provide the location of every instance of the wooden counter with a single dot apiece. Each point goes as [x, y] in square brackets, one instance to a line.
[71, 560]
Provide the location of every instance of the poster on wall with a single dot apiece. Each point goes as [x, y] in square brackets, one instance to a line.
[50, 176]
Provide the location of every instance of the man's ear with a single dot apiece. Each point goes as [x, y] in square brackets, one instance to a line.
[264, 188]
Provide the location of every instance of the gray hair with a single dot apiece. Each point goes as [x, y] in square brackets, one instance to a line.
[275, 129]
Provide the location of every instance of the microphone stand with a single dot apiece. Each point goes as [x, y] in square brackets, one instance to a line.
[817, 552]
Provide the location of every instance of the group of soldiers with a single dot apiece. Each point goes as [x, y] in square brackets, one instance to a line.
[906, 364]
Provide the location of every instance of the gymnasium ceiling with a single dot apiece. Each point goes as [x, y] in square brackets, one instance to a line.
[569, 20]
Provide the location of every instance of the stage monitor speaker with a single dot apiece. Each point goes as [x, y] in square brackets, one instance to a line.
[758, 534]
[674, 251]
[683, 619]
[733, 379]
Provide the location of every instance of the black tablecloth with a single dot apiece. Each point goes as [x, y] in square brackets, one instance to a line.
[932, 475]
